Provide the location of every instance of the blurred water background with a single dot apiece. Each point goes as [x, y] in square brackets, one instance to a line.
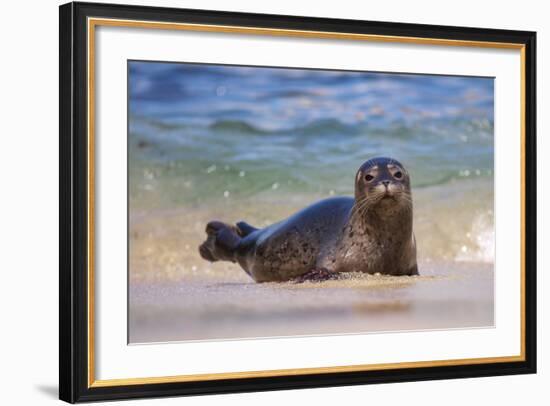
[256, 144]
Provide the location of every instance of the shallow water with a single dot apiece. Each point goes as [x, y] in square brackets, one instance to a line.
[257, 144]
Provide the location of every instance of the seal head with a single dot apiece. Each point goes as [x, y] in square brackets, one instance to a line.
[382, 184]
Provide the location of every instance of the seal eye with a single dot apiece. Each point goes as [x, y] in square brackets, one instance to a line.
[368, 177]
[398, 175]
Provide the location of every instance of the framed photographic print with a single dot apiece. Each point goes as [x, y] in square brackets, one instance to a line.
[256, 202]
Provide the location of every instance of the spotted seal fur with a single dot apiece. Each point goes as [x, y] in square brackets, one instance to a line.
[371, 232]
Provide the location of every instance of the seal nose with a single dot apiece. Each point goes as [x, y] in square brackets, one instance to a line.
[386, 183]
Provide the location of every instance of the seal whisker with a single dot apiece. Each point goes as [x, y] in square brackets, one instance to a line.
[360, 207]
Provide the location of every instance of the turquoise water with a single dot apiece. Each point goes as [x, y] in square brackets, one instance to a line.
[201, 132]
[257, 144]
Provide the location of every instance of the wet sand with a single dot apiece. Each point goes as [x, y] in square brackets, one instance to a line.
[176, 296]
[224, 303]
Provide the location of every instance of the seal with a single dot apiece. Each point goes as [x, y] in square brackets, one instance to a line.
[371, 232]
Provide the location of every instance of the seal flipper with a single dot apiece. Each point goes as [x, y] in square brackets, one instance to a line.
[221, 242]
[413, 271]
[245, 228]
[316, 275]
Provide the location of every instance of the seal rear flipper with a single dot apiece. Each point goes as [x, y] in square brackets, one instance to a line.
[245, 228]
[221, 242]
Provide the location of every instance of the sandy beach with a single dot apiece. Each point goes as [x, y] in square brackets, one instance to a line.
[224, 303]
[175, 295]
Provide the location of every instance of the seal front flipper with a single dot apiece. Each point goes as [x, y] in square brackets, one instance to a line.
[413, 271]
[316, 275]
[245, 228]
[221, 242]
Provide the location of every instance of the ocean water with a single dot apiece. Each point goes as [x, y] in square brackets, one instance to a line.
[254, 143]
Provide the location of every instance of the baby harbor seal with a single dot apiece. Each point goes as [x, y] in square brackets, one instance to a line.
[371, 233]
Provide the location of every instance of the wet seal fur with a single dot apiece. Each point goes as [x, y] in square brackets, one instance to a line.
[372, 233]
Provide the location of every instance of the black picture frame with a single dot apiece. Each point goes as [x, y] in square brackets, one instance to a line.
[73, 254]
